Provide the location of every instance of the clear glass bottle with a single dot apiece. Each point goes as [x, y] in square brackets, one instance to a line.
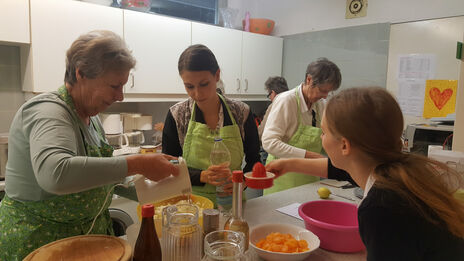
[221, 155]
[236, 222]
[147, 246]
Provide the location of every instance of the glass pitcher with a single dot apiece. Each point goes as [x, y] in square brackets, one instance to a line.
[225, 245]
[181, 233]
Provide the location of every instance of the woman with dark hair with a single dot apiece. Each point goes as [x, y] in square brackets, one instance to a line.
[408, 211]
[293, 128]
[192, 125]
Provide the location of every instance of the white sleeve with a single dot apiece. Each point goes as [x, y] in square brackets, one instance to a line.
[281, 124]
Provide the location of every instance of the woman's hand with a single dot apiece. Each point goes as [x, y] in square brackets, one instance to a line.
[218, 175]
[154, 166]
[278, 167]
[313, 167]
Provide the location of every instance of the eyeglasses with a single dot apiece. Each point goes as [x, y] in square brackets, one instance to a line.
[269, 95]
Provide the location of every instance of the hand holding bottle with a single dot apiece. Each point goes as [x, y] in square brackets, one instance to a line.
[218, 175]
[220, 157]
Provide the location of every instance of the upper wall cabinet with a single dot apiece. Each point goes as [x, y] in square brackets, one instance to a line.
[157, 42]
[55, 24]
[226, 44]
[14, 21]
[261, 59]
[246, 59]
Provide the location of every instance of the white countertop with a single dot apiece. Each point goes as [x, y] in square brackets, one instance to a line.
[262, 210]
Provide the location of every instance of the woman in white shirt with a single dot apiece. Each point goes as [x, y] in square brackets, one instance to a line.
[293, 127]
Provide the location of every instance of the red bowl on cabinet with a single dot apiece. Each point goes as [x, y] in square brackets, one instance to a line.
[260, 25]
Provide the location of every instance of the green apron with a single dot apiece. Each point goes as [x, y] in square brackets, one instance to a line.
[26, 226]
[306, 137]
[197, 147]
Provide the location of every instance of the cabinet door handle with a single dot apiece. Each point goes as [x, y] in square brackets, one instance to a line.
[238, 84]
[246, 85]
[132, 81]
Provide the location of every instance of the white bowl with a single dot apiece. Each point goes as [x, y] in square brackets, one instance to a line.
[261, 231]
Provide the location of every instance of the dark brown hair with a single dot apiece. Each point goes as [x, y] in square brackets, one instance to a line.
[197, 58]
[371, 119]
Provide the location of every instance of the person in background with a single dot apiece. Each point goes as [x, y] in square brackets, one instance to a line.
[192, 125]
[408, 211]
[60, 171]
[293, 127]
[274, 86]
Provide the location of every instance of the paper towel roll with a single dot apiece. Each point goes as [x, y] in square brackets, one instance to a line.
[143, 123]
[112, 123]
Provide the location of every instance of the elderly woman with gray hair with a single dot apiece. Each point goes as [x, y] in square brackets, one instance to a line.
[60, 174]
[293, 127]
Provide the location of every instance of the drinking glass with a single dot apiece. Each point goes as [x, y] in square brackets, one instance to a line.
[224, 245]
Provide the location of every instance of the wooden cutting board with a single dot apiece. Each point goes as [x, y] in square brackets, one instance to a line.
[85, 248]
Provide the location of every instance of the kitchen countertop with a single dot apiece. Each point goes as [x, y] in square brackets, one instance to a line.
[262, 210]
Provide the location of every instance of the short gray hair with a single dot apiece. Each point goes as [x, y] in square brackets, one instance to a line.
[277, 84]
[324, 71]
[95, 53]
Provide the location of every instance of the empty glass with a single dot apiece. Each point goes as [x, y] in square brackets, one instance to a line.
[224, 245]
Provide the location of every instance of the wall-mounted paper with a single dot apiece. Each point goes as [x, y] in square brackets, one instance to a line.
[440, 98]
[411, 96]
[416, 66]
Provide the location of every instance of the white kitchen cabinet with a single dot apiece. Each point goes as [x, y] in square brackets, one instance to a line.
[246, 59]
[157, 42]
[55, 24]
[261, 59]
[14, 21]
[226, 44]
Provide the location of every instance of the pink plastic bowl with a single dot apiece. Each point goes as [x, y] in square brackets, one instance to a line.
[335, 223]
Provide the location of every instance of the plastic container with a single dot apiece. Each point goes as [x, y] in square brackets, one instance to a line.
[221, 155]
[259, 182]
[260, 25]
[335, 223]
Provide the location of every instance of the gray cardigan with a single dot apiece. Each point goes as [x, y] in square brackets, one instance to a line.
[47, 156]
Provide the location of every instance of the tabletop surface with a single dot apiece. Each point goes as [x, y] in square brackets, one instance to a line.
[262, 210]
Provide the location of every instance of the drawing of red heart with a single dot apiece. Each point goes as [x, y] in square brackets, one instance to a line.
[440, 98]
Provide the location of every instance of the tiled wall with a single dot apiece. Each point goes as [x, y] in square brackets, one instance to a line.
[361, 53]
[11, 95]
